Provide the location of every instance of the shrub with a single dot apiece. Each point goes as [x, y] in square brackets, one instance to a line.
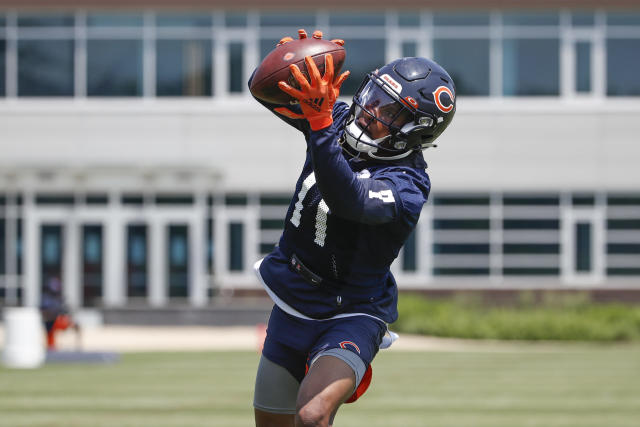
[554, 318]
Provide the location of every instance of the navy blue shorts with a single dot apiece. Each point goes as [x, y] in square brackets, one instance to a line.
[293, 342]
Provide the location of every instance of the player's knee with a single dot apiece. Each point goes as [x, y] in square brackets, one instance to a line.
[313, 414]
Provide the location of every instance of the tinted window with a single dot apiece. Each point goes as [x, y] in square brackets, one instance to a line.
[2, 246]
[624, 18]
[409, 19]
[531, 67]
[2, 67]
[115, 20]
[579, 19]
[463, 19]
[467, 61]
[623, 80]
[235, 19]
[236, 61]
[530, 18]
[45, 67]
[289, 19]
[114, 67]
[356, 18]
[45, 20]
[409, 48]
[183, 19]
[266, 46]
[236, 246]
[364, 57]
[583, 67]
[183, 68]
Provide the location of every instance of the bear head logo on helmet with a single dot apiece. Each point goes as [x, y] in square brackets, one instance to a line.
[400, 108]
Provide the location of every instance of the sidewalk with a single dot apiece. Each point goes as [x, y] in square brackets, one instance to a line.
[249, 338]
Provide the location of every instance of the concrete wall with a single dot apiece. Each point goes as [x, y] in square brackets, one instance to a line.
[492, 145]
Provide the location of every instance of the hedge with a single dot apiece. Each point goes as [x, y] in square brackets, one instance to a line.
[565, 318]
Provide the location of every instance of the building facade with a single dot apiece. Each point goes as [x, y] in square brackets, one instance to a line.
[137, 170]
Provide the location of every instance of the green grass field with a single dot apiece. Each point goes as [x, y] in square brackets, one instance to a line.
[526, 385]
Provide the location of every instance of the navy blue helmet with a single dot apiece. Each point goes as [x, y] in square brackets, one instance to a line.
[400, 108]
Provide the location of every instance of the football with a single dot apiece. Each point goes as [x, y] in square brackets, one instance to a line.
[275, 67]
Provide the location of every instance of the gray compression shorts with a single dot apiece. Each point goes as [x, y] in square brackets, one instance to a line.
[276, 389]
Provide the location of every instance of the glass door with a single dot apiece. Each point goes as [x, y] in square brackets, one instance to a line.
[137, 260]
[178, 260]
[583, 246]
[51, 247]
[92, 265]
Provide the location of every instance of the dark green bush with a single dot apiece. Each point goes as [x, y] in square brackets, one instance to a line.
[556, 317]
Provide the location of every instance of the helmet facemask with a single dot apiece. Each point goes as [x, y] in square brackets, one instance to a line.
[383, 125]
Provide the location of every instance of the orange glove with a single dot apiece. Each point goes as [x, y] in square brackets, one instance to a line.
[316, 96]
[302, 34]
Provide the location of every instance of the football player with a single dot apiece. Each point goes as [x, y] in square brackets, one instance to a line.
[358, 198]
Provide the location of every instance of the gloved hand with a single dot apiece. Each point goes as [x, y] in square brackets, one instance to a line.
[302, 34]
[316, 96]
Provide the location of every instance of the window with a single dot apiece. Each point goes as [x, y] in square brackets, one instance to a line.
[114, 67]
[236, 67]
[533, 18]
[460, 19]
[2, 247]
[136, 260]
[409, 48]
[111, 20]
[409, 253]
[531, 67]
[236, 246]
[623, 234]
[183, 20]
[583, 67]
[531, 235]
[408, 19]
[626, 18]
[3, 47]
[583, 247]
[582, 19]
[210, 248]
[92, 264]
[461, 235]
[235, 19]
[183, 68]
[467, 62]
[289, 22]
[45, 67]
[364, 57]
[51, 256]
[266, 46]
[623, 80]
[45, 20]
[356, 19]
[178, 248]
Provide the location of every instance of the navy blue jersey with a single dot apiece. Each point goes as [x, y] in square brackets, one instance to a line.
[346, 223]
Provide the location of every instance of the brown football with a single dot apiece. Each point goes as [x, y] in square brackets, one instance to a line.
[275, 66]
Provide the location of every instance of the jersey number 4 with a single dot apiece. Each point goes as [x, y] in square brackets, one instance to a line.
[321, 213]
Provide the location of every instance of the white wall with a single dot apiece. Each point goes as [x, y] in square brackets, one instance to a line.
[491, 145]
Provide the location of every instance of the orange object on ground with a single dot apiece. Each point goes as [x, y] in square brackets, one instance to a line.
[62, 322]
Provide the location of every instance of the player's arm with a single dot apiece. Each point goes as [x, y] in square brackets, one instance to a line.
[358, 198]
[363, 200]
